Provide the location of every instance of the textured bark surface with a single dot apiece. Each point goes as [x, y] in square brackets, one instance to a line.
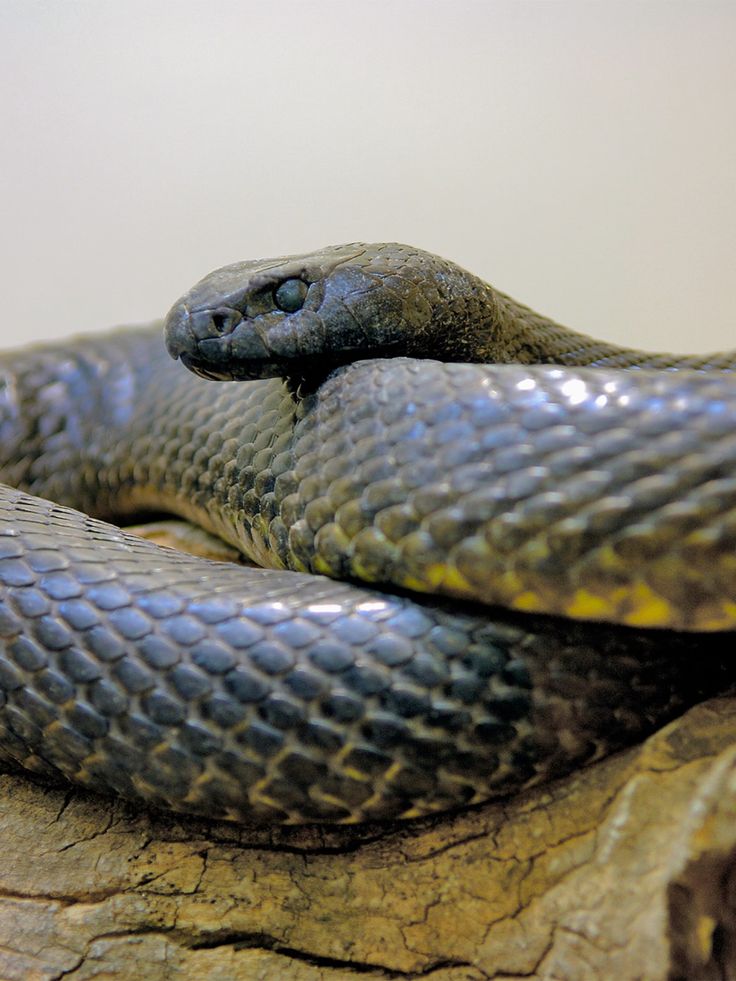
[624, 870]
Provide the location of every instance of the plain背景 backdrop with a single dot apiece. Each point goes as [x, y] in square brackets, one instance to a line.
[579, 155]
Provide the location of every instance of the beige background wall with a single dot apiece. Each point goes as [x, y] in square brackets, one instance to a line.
[580, 155]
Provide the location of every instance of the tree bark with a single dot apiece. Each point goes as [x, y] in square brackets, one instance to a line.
[623, 870]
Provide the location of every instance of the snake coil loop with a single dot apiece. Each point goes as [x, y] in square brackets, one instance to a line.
[546, 544]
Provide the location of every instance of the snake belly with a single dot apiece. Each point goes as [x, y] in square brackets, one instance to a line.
[278, 695]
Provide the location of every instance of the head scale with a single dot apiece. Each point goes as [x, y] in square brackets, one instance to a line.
[297, 315]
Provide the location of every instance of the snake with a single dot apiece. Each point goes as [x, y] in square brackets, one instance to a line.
[490, 550]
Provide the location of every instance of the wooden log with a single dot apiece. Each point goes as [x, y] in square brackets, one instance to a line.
[623, 870]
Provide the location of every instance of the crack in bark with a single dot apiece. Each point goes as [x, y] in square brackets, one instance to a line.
[89, 837]
[61, 899]
[241, 940]
[68, 798]
[449, 847]
[263, 941]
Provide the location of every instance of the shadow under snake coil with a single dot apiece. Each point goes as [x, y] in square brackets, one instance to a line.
[548, 539]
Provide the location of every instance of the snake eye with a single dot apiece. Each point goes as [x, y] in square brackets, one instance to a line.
[290, 295]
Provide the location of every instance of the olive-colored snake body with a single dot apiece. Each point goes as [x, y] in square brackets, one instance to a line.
[598, 503]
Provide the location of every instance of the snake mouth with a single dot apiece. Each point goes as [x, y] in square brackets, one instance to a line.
[197, 368]
[232, 370]
[310, 368]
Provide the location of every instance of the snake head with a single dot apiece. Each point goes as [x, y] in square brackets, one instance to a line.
[298, 316]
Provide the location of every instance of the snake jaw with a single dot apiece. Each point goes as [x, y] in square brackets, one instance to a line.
[247, 372]
[197, 368]
[268, 317]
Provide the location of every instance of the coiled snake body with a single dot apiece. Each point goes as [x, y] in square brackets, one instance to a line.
[574, 526]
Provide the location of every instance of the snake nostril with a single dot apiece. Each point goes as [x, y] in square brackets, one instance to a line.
[221, 322]
[209, 323]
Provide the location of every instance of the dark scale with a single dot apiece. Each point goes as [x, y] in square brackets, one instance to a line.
[271, 696]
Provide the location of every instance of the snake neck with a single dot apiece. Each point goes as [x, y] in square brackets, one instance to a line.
[453, 315]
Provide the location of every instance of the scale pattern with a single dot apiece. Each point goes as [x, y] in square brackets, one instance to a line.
[135, 670]
[271, 695]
